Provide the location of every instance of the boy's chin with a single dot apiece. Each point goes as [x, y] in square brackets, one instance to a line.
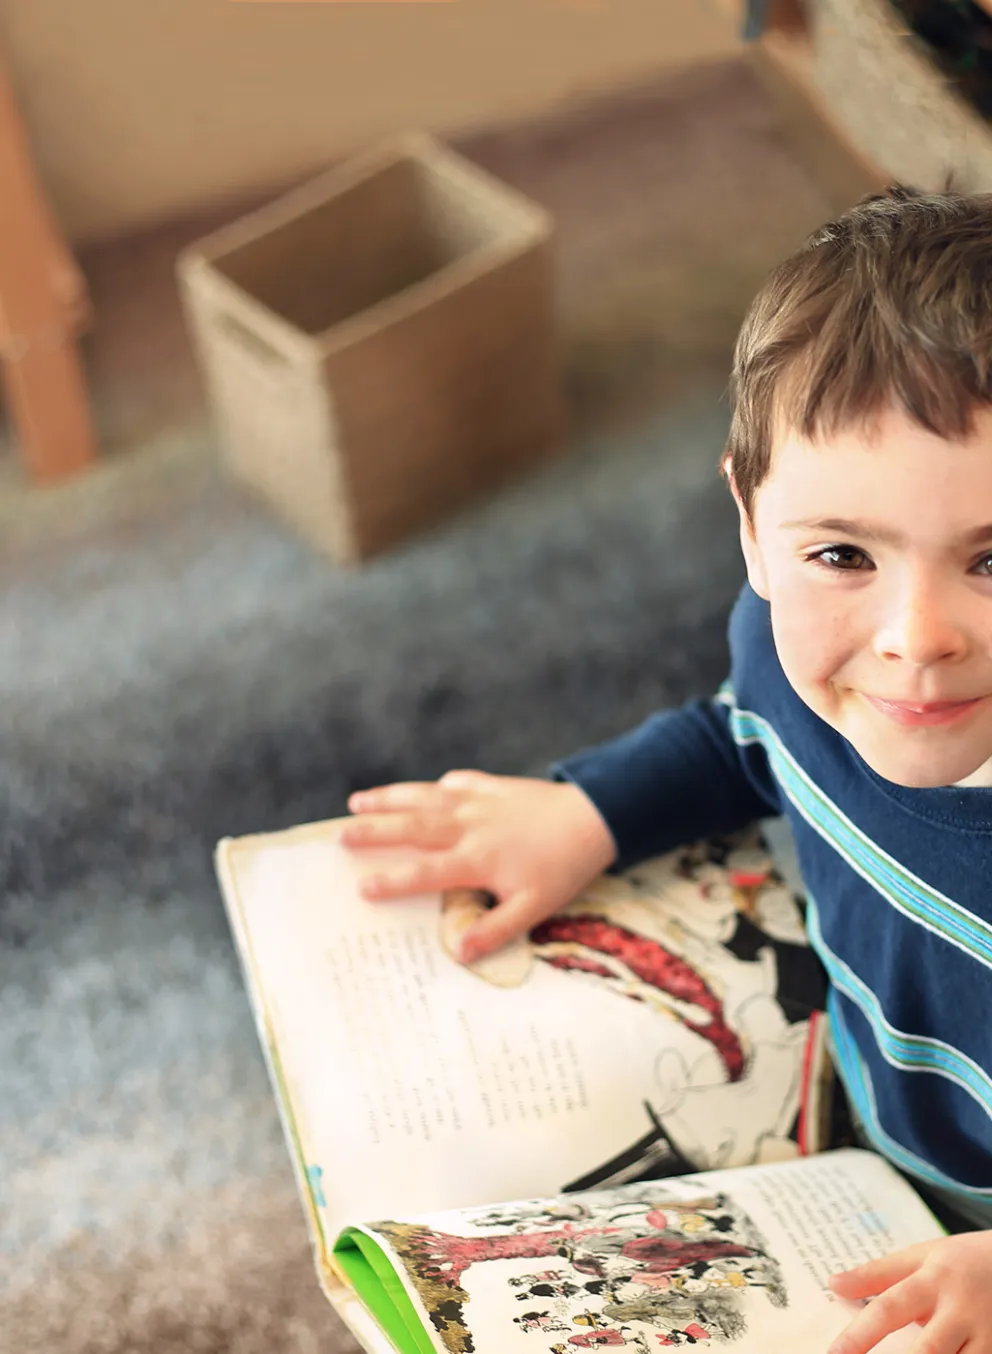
[924, 779]
[919, 770]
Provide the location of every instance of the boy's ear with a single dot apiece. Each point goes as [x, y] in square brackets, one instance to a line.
[749, 545]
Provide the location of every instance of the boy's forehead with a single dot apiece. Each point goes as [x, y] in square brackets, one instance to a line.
[803, 465]
[889, 425]
[888, 468]
[867, 431]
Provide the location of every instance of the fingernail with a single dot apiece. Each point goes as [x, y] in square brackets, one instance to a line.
[469, 950]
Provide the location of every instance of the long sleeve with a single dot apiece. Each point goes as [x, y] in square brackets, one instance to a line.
[677, 777]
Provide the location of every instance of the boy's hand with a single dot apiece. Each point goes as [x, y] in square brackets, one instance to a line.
[533, 844]
[944, 1285]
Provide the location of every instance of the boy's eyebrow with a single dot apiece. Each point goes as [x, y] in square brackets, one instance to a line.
[869, 531]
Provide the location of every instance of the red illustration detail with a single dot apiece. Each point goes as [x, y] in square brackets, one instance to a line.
[445, 1258]
[694, 1331]
[653, 965]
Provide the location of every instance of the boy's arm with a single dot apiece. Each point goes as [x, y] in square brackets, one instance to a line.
[675, 778]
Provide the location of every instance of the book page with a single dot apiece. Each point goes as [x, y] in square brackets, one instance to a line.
[412, 1082]
[722, 1258]
[624, 1037]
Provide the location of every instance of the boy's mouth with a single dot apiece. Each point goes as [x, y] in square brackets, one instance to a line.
[913, 714]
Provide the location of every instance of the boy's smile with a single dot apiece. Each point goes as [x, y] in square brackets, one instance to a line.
[873, 548]
[922, 716]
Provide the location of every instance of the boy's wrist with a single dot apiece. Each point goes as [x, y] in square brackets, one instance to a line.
[595, 840]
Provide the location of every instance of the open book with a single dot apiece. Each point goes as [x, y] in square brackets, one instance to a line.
[610, 1133]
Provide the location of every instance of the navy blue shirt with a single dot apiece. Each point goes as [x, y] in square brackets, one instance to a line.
[898, 885]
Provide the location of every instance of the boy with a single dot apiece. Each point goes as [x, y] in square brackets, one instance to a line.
[859, 704]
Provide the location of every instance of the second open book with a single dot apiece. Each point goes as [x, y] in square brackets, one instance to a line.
[606, 1135]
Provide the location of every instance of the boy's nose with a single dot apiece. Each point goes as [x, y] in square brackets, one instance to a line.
[917, 628]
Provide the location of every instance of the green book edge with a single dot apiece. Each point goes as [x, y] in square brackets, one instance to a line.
[381, 1291]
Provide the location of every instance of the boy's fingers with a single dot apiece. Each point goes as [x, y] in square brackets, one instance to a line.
[947, 1336]
[464, 780]
[899, 1307]
[510, 918]
[402, 795]
[878, 1275]
[425, 830]
[429, 874]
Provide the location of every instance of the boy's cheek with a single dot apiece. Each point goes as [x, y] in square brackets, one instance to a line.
[813, 648]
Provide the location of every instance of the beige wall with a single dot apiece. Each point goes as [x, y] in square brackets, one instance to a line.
[140, 109]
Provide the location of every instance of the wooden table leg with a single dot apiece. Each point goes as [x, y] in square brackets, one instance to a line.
[49, 405]
[43, 303]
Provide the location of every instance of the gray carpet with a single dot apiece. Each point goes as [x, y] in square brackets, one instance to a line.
[174, 667]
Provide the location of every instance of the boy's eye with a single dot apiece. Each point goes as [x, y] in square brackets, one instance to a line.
[984, 566]
[843, 557]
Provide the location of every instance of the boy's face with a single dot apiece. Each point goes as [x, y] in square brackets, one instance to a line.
[874, 550]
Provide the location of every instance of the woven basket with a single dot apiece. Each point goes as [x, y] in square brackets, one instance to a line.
[899, 109]
[379, 346]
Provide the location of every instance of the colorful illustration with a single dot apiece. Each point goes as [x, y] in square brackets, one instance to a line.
[711, 937]
[622, 1266]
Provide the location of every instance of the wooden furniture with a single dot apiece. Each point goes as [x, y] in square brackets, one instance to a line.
[865, 98]
[380, 344]
[783, 60]
[43, 306]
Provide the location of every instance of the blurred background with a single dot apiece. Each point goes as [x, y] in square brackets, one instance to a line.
[189, 647]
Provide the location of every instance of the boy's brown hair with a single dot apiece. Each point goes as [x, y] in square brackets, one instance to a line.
[889, 304]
